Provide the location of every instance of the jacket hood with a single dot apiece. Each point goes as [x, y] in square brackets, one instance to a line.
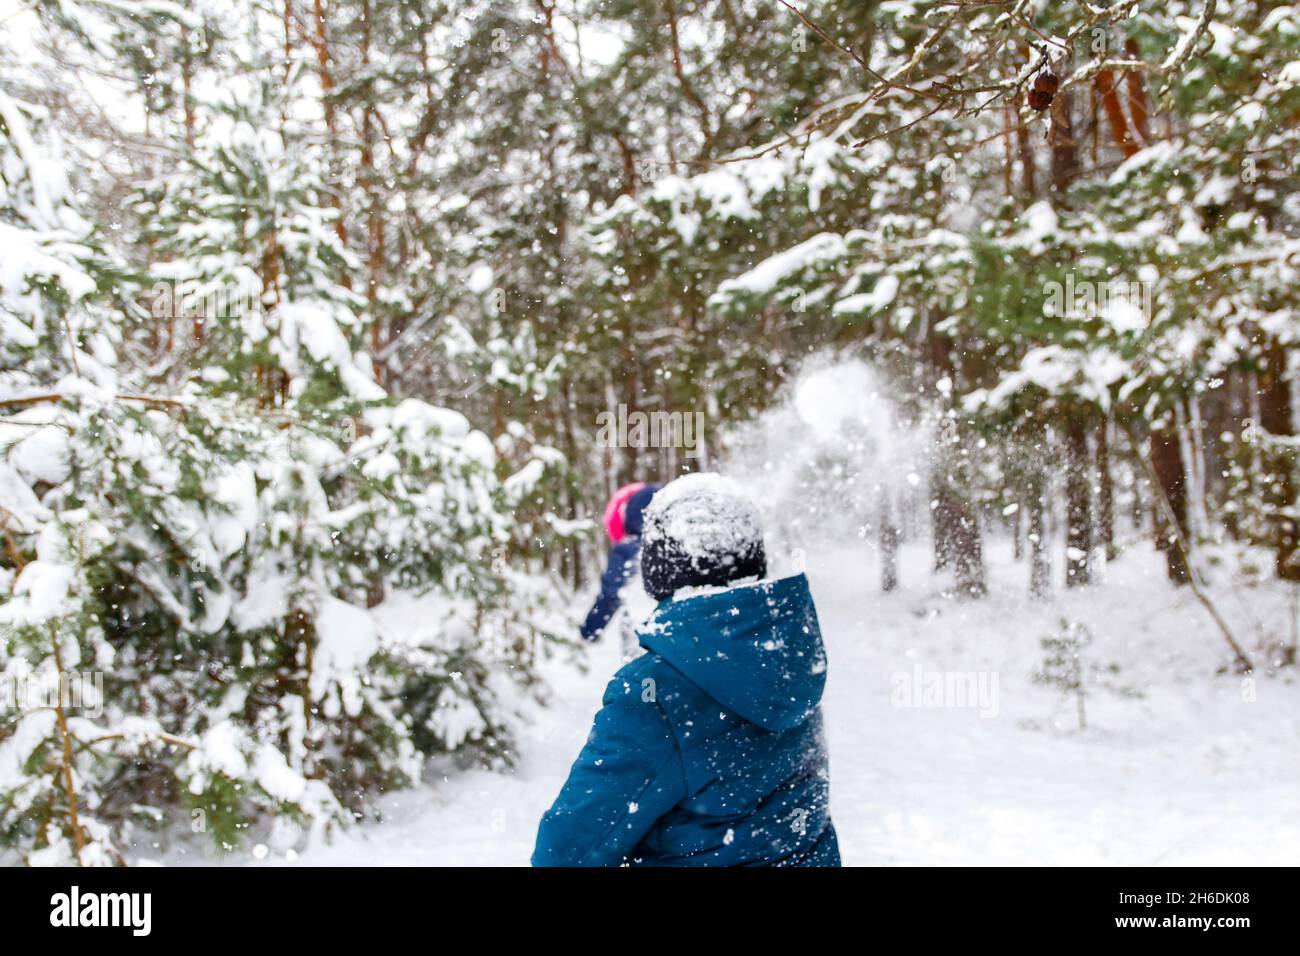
[636, 505]
[754, 648]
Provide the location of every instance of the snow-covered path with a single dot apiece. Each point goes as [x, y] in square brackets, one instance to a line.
[1191, 771]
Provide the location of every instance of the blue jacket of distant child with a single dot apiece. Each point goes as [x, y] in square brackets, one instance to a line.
[709, 749]
[624, 561]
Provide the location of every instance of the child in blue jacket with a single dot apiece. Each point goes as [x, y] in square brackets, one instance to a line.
[621, 573]
[708, 750]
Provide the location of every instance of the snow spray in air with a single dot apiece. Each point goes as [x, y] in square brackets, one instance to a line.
[831, 463]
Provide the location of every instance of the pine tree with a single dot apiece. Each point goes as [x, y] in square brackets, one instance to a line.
[198, 556]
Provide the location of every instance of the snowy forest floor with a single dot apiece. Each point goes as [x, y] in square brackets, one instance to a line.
[1179, 766]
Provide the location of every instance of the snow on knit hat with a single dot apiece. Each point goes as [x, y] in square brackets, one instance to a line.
[700, 530]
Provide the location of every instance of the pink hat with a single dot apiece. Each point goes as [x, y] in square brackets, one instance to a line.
[615, 509]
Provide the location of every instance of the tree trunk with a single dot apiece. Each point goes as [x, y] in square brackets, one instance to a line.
[1078, 505]
[959, 544]
[375, 252]
[888, 546]
[1078, 491]
[187, 87]
[1107, 90]
[1135, 82]
[324, 61]
[1167, 463]
[1199, 473]
[1275, 418]
[1025, 149]
[1017, 539]
[1065, 149]
[955, 523]
[1105, 491]
[939, 526]
[1040, 566]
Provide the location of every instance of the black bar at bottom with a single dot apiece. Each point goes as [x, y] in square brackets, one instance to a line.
[310, 906]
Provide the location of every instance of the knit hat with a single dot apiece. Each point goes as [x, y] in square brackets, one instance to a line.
[700, 530]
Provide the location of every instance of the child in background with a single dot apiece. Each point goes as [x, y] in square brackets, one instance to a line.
[620, 589]
[708, 750]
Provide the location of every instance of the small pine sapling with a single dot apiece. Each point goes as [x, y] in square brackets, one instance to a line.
[1063, 666]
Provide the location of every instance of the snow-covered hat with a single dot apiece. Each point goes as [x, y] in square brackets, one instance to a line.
[700, 530]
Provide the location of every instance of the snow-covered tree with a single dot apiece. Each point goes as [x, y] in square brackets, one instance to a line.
[250, 594]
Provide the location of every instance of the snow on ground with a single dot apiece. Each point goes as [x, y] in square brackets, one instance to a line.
[1190, 772]
[1199, 769]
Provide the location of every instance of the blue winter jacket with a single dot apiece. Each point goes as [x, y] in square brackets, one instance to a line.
[708, 750]
[624, 562]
